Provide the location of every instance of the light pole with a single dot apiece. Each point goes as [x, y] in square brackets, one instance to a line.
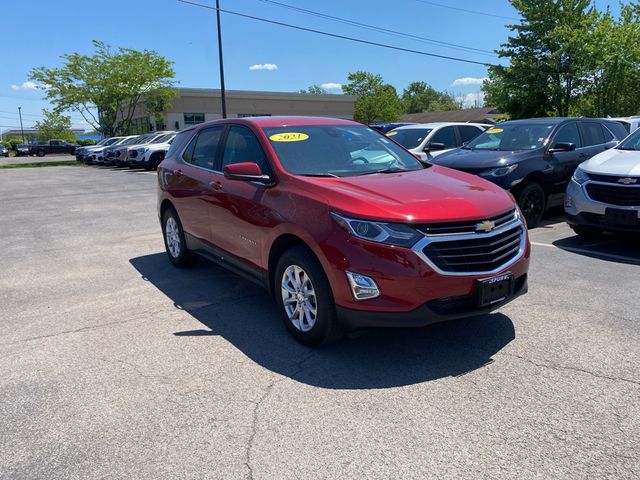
[222, 93]
[21, 129]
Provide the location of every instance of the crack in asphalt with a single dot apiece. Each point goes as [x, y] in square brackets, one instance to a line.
[254, 424]
[571, 369]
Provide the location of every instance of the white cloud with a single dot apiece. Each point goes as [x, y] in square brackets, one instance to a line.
[472, 100]
[331, 86]
[264, 66]
[28, 85]
[465, 81]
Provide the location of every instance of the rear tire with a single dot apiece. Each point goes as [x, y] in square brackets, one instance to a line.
[174, 239]
[40, 153]
[586, 232]
[532, 203]
[304, 298]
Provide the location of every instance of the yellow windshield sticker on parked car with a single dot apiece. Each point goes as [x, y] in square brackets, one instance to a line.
[390, 134]
[288, 137]
[495, 130]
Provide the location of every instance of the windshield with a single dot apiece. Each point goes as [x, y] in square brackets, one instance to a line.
[632, 142]
[164, 138]
[338, 150]
[512, 136]
[131, 141]
[111, 141]
[409, 137]
[102, 142]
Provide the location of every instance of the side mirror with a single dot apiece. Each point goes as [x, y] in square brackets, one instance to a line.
[563, 147]
[433, 146]
[247, 171]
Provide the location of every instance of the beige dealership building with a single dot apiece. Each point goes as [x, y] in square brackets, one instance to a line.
[197, 105]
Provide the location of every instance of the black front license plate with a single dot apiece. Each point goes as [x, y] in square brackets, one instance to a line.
[617, 216]
[495, 289]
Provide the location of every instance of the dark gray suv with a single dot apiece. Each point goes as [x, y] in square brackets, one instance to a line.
[535, 158]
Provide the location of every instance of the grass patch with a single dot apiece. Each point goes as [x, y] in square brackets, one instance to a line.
[59, 163]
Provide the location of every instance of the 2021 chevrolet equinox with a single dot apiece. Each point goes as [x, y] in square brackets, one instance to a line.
[343, 226]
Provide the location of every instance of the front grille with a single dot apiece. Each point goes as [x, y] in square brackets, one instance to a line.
[609, 178]
[476, 252]
[118, 152]
[614, 194]
[133, 154]
[450, 228]
[109, 154]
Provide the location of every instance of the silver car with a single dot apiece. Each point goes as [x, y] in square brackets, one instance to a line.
[604, 192]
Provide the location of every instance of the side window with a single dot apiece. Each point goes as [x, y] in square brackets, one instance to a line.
[608, 136]
[568, 134]
[619, 129]
[202, 150]
[592, 133]
[468, 132]
[445, 135]
[243, 146]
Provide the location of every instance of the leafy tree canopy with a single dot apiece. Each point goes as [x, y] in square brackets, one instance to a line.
[109, 82]
[376, 102]
[54, 126]
[419, 97]
[314, 90]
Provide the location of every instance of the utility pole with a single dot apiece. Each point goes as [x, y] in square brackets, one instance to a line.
[21, 129]
[222, 93]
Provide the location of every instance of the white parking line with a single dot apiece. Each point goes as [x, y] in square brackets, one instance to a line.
[590, 252]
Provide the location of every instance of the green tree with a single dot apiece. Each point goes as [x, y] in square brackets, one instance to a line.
[376, 102]
[314, 90]
[420, 97]
[548, 59]
[108, 82]
[54, 125]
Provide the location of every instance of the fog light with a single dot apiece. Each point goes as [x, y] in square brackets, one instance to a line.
[362, 287]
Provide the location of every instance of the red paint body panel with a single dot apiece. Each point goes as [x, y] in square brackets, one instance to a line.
[244, 219]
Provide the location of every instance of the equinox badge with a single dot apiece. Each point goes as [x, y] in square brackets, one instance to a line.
[485, 226]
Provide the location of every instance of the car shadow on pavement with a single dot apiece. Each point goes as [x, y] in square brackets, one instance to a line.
[245, 315]
[619, 248]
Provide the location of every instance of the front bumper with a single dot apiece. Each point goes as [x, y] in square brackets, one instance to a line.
[581, 210]
[434, 311]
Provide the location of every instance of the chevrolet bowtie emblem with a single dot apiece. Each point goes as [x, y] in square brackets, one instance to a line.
[485, 226]
[627, 181]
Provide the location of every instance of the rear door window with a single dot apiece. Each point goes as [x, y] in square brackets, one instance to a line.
[179, 142]
[593, 134]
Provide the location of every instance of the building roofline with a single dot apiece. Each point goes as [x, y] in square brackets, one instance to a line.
[215, 92]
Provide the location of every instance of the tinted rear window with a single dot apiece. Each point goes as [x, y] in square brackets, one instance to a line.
[179, 142]
[619, 129]
[593, 134]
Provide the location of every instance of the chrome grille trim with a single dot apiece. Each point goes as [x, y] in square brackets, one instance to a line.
[516, 240]
[463, 228]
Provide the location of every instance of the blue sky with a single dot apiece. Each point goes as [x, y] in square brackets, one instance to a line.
[282, 59]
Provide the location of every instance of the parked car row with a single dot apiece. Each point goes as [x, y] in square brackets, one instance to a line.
[134, 151]
[45, 148]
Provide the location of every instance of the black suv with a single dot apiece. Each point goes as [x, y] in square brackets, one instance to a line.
[534, 158]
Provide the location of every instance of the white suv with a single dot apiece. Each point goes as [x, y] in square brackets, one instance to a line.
[604, 192]
[431, 139]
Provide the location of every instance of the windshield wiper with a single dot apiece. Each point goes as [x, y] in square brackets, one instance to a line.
[627, 148]
[320, 175]
[387, 170]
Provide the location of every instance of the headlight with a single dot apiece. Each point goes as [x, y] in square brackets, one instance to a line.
[143, 150]
[500, 171]
[580, 176]
[380, 232]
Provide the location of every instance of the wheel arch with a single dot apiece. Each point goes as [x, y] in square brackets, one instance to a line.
[280, 245]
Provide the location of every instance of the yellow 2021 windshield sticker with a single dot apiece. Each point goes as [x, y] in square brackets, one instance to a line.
[495, 130]
[391, 134]
[288, 137]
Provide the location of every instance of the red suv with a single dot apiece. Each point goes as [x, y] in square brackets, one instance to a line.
[343, 226]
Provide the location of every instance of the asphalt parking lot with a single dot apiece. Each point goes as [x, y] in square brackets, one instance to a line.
[113, 364]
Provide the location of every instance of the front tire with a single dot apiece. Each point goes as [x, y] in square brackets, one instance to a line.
[532, 203]
[40, 153]
[304, 298]
[174, 239]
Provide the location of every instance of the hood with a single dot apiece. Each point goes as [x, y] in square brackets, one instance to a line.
[435, 194]
[479, 159]
[156, 146]
[614, 162]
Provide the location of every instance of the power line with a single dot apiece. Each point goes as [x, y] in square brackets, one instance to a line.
[343, 37]
[381, 29]
[475, 12]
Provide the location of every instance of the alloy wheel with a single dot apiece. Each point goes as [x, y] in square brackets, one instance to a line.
[172, 234]
[299, 298]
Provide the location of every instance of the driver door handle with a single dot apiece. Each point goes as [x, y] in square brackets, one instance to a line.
[216, 185]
